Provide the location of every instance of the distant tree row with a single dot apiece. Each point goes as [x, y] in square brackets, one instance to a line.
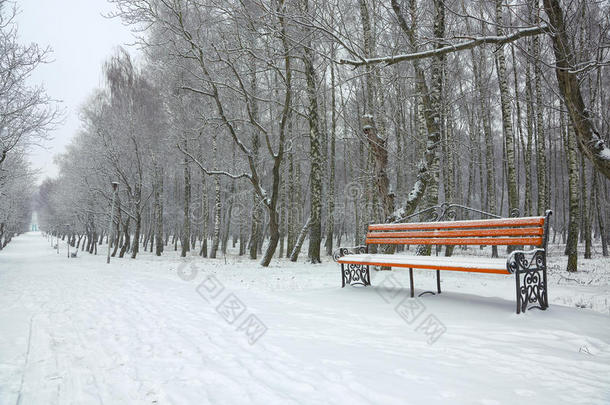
[267, 123]
[26, 114]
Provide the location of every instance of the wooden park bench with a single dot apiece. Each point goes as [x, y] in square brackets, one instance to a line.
[528, 267]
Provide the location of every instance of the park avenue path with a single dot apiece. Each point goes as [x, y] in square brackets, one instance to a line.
[78, 331]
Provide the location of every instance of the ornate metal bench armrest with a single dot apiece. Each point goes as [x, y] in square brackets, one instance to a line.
[519, 261]
[532, 287]
[344, 251]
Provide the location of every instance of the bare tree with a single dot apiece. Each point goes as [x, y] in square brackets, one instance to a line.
[27, 113]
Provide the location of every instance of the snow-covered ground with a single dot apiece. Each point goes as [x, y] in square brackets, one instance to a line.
[226, 331]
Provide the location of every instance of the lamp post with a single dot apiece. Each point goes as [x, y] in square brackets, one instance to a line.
[115, 189]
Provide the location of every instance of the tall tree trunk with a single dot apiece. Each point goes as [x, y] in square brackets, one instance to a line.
[430, 99]
[205, 219]
[600, 217]
[292, 209]
[136, 236]
[572, 242]
[158, 204]
[511, 178]
[294, 255]
[315, 153]
[117, 232]
[272, 202]
[217, 204]
[186, 227]
[541, 175]
[528, 205]
[228, 220]
[586, 209]
[490, 160]
[127, 238]
[283, 219]
[255, 229]
[331, 175]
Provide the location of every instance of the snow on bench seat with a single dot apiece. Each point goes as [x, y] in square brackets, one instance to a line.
[473, 264]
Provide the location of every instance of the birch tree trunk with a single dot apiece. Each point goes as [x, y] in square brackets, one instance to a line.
[600, 217]
[315, 154]
[228, 219]
[217, 205]
[255, 228]
[541, 176]
[294, 255]
[292, 213]
[186, 227]
[586, 209]
[435, 105]
[429, 108]
[572, 242]
[136, 236]
[511, 178]
[204, 212]
[528, 204]
[331, 166]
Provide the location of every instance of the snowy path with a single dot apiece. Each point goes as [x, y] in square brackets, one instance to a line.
[80, 332]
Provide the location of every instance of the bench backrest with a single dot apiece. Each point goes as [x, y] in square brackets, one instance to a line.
[505, 231]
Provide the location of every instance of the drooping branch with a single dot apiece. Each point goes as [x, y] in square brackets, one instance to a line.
[212, 172]
[461, 46]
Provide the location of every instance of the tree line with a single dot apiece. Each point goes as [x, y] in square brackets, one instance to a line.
[27, 113]
[267, 123]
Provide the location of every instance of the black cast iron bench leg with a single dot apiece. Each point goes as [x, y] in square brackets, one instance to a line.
[355, 274]
[438, 284]
[411, 281]
[438, 281]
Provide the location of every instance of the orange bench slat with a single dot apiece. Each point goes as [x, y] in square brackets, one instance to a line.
[435, 266]
[537, 231]
[537, 241]
[484, 223]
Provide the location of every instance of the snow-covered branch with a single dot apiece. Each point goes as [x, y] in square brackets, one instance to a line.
[213, 172]
[492, 39]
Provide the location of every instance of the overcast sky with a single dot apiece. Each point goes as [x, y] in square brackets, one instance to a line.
[81, 39]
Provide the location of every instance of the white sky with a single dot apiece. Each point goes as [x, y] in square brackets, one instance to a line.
[81, 39]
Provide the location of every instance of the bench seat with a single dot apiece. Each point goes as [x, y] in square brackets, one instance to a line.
[528, 267]
[473, 264]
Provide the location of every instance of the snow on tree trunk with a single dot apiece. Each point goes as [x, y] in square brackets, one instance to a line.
[528, 204]
[586, 215]
[434, 114]
[217, 204]
[294, 255]
[331, 164]
[541, 164]
[315, 153]
[572, 242]
[507, 125]
[600, 217]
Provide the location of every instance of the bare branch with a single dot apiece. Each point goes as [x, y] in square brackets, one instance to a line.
[462, 46]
